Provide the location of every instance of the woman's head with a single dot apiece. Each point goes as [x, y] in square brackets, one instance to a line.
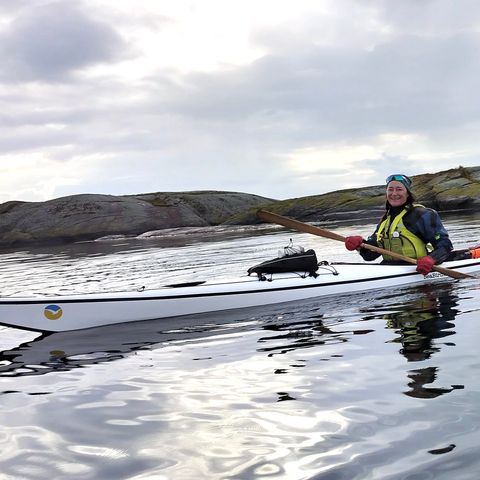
[398, 191]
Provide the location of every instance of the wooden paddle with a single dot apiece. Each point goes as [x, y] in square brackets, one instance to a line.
[307, 228]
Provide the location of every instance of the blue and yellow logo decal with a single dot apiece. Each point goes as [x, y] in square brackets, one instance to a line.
[53, 312]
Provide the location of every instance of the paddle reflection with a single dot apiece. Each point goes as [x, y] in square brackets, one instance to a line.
[289, 336]
[313, 332]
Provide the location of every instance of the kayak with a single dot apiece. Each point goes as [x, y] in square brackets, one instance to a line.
[80, 311]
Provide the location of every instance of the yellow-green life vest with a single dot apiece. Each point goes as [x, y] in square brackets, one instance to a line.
[394, 236]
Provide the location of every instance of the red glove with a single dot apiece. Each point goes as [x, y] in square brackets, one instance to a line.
[425, 264]
[352, 243]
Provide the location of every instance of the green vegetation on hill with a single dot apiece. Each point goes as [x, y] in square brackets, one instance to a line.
[457, 188]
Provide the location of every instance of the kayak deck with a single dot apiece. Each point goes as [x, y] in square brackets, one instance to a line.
[80, 311]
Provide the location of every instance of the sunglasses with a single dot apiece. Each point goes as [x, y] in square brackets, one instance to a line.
[399, 178]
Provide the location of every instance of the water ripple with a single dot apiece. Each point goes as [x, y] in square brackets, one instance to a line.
[379, 385]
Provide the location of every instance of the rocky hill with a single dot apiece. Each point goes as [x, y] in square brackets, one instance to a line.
[455, 189]
[87, 217]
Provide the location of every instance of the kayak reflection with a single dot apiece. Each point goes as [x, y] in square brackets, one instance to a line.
[73, 349]
[426, 314]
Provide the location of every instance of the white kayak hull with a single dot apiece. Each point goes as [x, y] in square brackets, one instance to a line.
[74, 312]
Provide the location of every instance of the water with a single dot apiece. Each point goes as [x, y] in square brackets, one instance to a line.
[376, 385]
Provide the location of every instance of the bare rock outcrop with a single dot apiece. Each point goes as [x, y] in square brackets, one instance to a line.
[89, 216]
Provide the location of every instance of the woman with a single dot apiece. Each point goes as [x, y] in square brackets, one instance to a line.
[406, 228]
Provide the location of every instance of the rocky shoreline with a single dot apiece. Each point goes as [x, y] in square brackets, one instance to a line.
[90, 216]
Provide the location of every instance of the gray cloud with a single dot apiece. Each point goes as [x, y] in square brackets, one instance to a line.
[429, 17]
[9, 6]
[233, 128]
[48, 42]
[408, 83]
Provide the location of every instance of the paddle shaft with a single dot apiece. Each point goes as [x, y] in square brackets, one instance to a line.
[307, 228]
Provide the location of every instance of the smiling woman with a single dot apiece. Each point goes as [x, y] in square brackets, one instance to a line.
[397, 193]
[407, 229]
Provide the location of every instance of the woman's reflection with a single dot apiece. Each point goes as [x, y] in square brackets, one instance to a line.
[419, 324]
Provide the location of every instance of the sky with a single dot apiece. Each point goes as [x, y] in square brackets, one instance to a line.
[271, 97]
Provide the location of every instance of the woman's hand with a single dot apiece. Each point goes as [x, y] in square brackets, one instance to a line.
[425, 265]
[354, 242]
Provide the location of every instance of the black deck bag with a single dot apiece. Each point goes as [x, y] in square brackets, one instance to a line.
[297, 262]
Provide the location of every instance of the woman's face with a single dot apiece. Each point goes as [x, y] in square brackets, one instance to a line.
[397, 194]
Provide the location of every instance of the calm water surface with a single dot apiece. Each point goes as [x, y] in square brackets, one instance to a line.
[376, 385]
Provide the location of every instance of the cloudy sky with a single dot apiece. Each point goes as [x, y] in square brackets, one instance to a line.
[273, 97]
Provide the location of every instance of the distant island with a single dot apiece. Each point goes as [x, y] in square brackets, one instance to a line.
[90, 216]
